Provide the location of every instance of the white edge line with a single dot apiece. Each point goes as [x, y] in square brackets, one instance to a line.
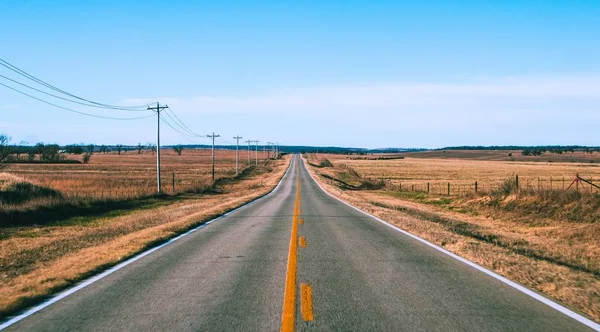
[523, 289]
[121, 265]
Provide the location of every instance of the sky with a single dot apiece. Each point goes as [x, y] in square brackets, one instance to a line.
[325, 73]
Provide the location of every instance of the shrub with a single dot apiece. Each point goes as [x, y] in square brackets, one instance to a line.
[86, 157]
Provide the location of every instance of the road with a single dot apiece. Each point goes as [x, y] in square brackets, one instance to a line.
[336, 269]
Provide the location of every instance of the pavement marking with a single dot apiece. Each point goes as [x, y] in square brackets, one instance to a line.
[302, 242]
[93, 279]
[583, 320]
[289, 297]
[306, 303]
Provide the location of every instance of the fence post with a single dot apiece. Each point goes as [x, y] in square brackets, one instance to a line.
[448, 188]
[428, 187]
[173, 182]
[517, 181]
[476, 187]
[412, 187]
[551, 183]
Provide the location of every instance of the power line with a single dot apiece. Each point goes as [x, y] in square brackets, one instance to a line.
[72, 110]
[21, 72]
[67, 99]
[184, 135]
[182, 125]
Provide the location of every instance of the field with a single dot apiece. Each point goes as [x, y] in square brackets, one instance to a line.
[130, 174]
[462, 172]
[71, 232]
[545, 239]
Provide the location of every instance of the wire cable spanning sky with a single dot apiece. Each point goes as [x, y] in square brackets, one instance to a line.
[177, 125]
[354, 73]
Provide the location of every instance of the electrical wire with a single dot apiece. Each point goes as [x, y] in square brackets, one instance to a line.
[72, 110]
[176, 130]
[21, 72]
[69, 100]
[181, 122]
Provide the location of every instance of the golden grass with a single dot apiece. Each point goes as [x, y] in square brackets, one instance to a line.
[552, 255]
[131, 174]
[37, 260]
[462, 173]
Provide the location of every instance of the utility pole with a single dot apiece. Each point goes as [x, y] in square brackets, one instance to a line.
[158, 108]
[256, 152]
[249, 141]
[237, 151]
[213, 136]
[270, 144]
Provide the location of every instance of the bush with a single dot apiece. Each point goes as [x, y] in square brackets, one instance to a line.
[507, 187]
[86, 157]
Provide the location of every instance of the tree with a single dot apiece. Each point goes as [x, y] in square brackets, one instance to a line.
[86, 157]
[90, 148]
[103, 149]
[178, 149]
[119, 148]
[139, 148]
[74, 149]
[5, 150]
[151, 147]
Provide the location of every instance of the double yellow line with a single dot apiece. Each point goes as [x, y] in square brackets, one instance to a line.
[289, 297]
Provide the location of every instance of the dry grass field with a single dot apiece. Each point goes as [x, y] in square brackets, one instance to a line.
[546, 240]
[54, 246]
[130, 174]
[462, 172]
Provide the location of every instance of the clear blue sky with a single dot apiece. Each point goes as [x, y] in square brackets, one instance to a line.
[344, 73]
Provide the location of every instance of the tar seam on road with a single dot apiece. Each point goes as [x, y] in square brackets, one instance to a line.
[306, 305]
[583, 320]
[289, 297]
[121, 265]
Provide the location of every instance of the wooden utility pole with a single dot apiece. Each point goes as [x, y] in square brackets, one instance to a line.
[249, 141]
[269, 144]
[158, 108]
[237, 152]
[256, 151]
[213, 136]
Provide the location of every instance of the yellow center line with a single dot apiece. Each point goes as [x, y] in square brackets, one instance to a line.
[289, 297]
[302, 242]
[306, 303]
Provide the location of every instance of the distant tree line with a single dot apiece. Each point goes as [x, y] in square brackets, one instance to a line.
[533, 150]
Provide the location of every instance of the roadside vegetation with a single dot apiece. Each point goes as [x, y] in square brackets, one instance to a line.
[545, 239]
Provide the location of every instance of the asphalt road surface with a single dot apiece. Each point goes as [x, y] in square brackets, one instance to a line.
[297, 260]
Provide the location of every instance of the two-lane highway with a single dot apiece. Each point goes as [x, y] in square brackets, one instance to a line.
[297, 260]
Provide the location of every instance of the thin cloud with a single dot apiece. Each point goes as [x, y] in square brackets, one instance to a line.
[501, 92]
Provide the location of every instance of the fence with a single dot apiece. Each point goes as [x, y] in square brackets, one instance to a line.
[463, 188]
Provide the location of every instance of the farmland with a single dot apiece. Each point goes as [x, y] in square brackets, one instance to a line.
[90, 216]
[130, 174]
[545, 239]
[462, 172]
